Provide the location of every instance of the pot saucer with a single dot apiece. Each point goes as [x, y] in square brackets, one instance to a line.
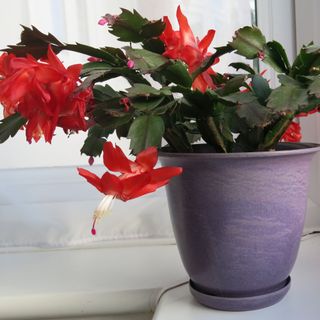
[240, 303]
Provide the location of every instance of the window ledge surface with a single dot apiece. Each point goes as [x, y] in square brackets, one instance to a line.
[301, 302]
[129, 278]
[86, 282]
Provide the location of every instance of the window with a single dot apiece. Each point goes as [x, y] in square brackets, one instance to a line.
[32, 191]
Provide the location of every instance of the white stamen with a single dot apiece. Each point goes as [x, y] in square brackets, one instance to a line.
[104, 207]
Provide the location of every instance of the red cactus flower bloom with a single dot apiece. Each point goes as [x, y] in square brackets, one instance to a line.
[136, 177]
[293, 133]
[185, 46]
[44, 92]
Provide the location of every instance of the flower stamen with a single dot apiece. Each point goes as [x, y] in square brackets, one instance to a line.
[103, 209]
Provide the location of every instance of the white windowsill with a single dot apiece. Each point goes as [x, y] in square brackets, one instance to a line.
[86, 282]
[128, 280]
[110, 277]
[302, 301]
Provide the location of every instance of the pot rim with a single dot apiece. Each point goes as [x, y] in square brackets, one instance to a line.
[287, 149]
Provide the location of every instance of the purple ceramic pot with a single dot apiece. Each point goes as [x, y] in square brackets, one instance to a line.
[238, 220]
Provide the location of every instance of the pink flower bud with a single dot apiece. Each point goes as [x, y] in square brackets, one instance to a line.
[126, 102]
[102, 21]
[130, 64]
[91, 160]
[261, 55]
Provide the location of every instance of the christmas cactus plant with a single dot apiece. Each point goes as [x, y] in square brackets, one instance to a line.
[174, 95]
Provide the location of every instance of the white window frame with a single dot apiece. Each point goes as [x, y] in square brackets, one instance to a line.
[307, 30]
[294, 23]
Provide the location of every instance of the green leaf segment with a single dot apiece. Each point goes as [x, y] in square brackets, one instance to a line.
[10, 126]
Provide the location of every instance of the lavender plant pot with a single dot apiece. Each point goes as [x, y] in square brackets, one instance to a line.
[238, 220]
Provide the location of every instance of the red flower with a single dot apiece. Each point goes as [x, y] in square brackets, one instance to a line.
[293, 133]
[44, 92]
[136, 177]
[183, 45]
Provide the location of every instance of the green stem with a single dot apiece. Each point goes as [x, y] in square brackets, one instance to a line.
[275, 133]
[207, 63]
[177, 141]
[211, 133]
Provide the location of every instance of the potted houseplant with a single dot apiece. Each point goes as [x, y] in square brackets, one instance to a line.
[238, 198]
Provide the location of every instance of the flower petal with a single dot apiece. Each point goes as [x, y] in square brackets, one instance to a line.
[111, 185]
[159, 177]
[206, 41]
[115, 160]
[186, 33]
[54, 61]
[147, 158]
[133, 185]
[91, 178]
[168, 31]
[293, 133]
[203, 82]
[165, 173]
[74, 71]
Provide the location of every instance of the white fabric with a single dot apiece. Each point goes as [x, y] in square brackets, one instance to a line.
[52, 207]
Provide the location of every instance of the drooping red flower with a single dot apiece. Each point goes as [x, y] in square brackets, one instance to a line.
[185, 46]
[44, 92]
[293, 133]
[136, 178]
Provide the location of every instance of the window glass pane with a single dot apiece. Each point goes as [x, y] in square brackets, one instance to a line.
[76, 20]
